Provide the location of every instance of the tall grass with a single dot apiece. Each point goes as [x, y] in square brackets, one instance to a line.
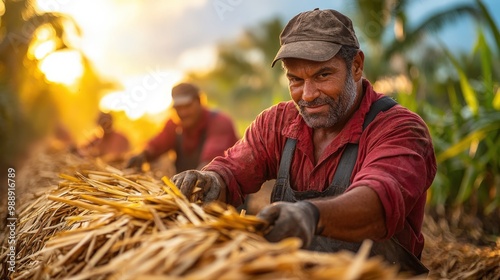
[466, 133]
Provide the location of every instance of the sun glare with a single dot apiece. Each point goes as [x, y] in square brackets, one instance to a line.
[201, 59]
[63, 67]
[145, 94]
[2, 8]
[43, 49]
[43, 42]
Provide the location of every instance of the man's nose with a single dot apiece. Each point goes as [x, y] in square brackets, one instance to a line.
[309, 91]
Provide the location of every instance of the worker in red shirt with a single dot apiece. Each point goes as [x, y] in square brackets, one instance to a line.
[110, 145]
[199, 136]
[349, 163]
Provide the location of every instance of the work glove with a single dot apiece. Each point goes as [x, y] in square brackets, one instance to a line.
[137, 161]
[287, 219]
[207, 181]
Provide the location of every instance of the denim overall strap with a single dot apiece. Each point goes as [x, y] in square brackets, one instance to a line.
[390, 249]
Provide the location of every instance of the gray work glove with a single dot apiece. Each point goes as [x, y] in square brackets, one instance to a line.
[137, 161]
[288, 219]
[207, 181]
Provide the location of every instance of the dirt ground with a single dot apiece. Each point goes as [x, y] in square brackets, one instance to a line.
[458, 245]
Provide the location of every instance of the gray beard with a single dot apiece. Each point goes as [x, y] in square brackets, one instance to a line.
[337, 109]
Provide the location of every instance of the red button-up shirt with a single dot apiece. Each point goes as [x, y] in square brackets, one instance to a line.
[220, 135]
[395, 158]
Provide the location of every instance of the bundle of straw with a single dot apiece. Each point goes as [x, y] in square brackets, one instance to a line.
[106, 225]
[449, 258]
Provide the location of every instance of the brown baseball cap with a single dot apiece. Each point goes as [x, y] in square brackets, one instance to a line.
[316, 35]
[184, 93]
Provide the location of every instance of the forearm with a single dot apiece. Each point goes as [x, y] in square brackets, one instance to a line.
[354, 216]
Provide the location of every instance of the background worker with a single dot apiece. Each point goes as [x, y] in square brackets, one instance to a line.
[110, 145]
[349, 163]
[199, 136]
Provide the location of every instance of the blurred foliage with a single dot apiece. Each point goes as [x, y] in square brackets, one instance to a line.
[454, 93]
[32, 106]
[468, 151]
[465, 122]
[384, 29]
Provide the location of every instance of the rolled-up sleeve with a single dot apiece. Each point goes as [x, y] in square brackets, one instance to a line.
[253, 159]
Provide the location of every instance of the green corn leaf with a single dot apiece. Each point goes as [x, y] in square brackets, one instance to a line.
[466, 142]
[467, 91]
[467, 185]
[491, 22]
[496, 100]
[486, 66]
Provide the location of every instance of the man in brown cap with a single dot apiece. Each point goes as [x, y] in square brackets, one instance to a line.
[199, 136]
[349, 163]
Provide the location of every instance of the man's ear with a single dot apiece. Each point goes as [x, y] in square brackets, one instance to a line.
[357, 65]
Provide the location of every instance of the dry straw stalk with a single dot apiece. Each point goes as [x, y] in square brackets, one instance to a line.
[102, 224]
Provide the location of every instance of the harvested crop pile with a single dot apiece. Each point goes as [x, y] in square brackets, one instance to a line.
[448, 258]
[106, 225]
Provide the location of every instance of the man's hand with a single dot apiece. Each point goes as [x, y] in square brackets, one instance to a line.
[136, 161]
[208, 181]
[287, 219]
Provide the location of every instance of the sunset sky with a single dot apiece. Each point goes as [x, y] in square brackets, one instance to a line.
[127, 40]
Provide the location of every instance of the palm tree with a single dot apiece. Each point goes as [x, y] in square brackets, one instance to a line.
[380, 17]
[18, 34]
[28, 104]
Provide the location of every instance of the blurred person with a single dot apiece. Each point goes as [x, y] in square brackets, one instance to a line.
[199, 136]
[109, 145]
[350, 164]
[61, 139]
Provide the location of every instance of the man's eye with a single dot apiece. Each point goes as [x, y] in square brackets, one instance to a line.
[324, 75]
